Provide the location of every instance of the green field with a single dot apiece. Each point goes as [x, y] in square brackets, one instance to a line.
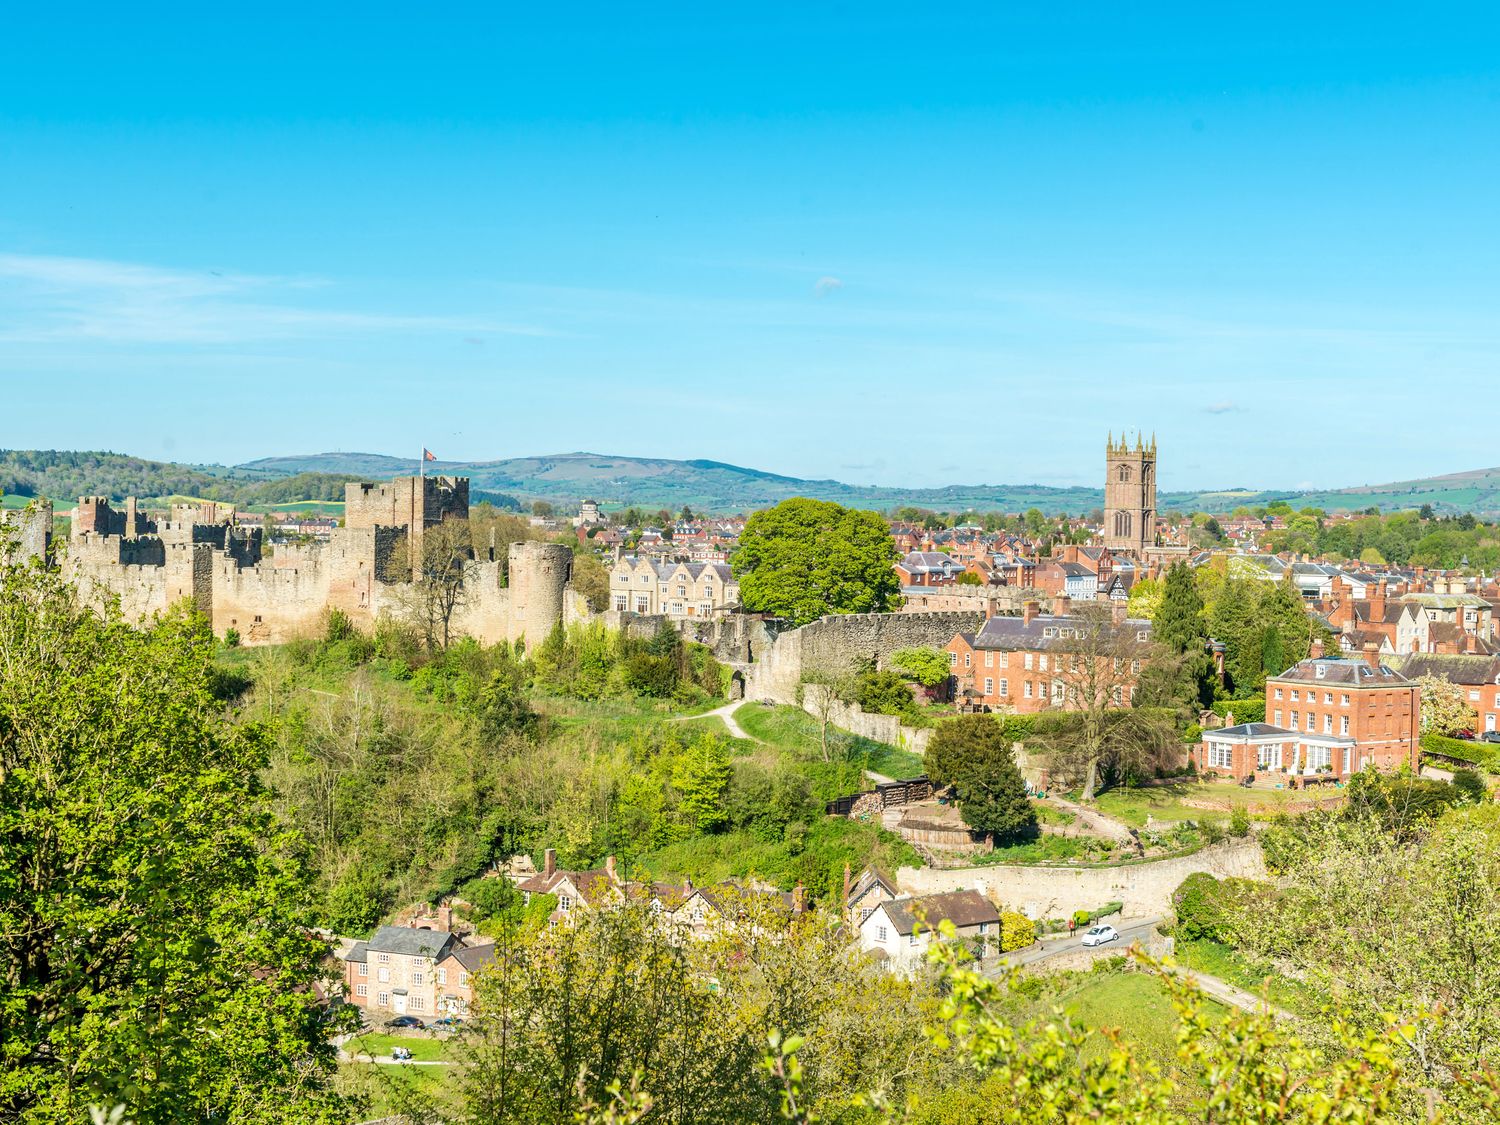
[1228, 964]
[1135, 1004]
[792, 728]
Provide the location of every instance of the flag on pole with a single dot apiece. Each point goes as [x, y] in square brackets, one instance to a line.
[428, 455]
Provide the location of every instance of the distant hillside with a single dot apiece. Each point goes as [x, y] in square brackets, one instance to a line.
[648, 482]
[715, 486]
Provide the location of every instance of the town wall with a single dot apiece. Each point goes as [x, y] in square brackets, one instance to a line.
[856, 720]
[31, 527]
[1055, 892]
[838, 644]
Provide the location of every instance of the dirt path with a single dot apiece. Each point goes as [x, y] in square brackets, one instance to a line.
[1095, 821]
[726, 713]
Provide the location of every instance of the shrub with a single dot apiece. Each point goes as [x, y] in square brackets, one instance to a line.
[1471, 785]
[1201, 903]
[1252, 710]
[1239, 822]
[1016, 931]
[231, 638]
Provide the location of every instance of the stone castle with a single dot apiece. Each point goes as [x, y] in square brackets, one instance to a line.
[201, 552]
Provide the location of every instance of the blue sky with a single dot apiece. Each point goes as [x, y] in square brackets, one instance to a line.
[877, 243]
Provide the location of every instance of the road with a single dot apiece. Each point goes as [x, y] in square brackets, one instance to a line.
[1132, 932]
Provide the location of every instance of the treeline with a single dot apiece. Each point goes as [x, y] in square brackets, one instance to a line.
[1418, 538]
[66, 474]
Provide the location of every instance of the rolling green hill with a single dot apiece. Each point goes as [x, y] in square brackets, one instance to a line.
[649, 482]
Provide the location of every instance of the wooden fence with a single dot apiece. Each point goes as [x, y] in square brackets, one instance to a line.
[892, 794]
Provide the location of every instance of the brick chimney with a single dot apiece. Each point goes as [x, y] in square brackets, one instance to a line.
[445, 918]
[1028, 614]
[799, 899]
[549, 863]
[687, 887]
[991, 607]
[1061, 605]
[609, 869]
[1118, 612]
[1315, 650]
[1377, 601]
[1372, 655]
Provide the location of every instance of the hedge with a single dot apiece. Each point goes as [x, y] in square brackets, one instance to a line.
[1251, 710]
[1479, 753]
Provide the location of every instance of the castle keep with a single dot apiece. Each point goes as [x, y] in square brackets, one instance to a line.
[201, 552]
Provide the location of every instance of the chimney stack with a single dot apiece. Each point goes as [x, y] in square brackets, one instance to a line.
[1061, 605]
[1028, 614]
[1372, 655]
[687, 887]
[1315, 650]
[609, 869]
[799, 899]
[1119, 612]
[549, 863]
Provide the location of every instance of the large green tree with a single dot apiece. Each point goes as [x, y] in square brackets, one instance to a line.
[806, 558]
[973, 754]
[1178, 628]
[150, 951]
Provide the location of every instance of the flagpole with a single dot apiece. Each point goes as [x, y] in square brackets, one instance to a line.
[422, 462]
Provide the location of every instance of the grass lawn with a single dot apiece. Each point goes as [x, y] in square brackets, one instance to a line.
[1134, 1003]
[793, 729]
[1230, 965]
[382, 1085]
[422, 1046]
[1166, 802]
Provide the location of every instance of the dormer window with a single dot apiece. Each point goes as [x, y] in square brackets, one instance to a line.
[1321, 671]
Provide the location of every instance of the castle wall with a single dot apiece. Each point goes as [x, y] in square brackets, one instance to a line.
[32, 529]
[268, 604]
[539, 574]
[836, 645]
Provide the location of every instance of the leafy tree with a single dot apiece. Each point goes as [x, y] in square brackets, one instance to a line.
[1099, 737]
[1445, 707]
[152, 953]
[884, 693]
[437, 591]
[1145, 599]
[1204, 907]
[702, 777]
[542, 508]
[928, 666]
[503, 707]
[973, 755]
[969, 578]
[1178, 628]
[806, 558]
[590, 578]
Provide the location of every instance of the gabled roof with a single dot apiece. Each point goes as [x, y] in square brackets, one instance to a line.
[409, 942]
[962, 908]
[358, 952]
[473, 957]
[1249, 731]
[1042, 632]
[869, 879]
[1456, 669]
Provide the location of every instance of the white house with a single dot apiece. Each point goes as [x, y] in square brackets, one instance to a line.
[899, 932]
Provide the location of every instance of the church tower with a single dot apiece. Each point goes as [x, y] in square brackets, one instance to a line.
[1130, 496]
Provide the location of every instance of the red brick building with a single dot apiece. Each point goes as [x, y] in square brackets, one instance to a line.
[1325, 719]
[1028, 664]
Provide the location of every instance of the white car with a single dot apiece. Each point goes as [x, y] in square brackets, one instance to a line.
[1100, 934]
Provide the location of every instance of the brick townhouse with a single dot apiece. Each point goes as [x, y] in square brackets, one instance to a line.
[1326, 718]
[1024, 664]
[1477, 676]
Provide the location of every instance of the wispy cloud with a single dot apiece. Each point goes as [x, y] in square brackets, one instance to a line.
[1223, 407]
[49, 298]
[826, 285]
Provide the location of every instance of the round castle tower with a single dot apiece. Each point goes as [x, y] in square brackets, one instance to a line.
[539, 573]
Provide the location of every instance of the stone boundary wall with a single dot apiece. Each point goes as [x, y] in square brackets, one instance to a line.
[854, 719]
[1055, 892]
[837, 644]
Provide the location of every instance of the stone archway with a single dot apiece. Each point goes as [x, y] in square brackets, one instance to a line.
[736, 686]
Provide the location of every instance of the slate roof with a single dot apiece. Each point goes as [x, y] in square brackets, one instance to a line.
[870, 878]
[474, 957]
[1243, 731]
[1042, 632]
[1340, 671]
[1447, 601]
[921, 562]
[409, 942]
[1475, 670]
[962, 908]
[358, 952]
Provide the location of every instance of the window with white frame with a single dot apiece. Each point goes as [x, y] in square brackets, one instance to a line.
[1268, 757]
[417, 1003]
[383, 999]
[1319, 757]
[1026, 661]
[1327, 724]
[1004, 689]
[565, 903]
[442, 976]
[1005, 663]
[989, 659]
[1041, 664]
[416, 980]
[989, 686]
[385, 976]
[1026, 688]
[953, 660]
[1344, 724]
[1277, 718]
[363, 970]
[362, 990]
[880, 933]
[1220, 755]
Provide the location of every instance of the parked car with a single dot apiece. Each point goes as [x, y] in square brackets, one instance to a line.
[401, 1054]
[1490, 736]
[1098, 935]
[448, 1023]
[1465, 735]
[405, 1021]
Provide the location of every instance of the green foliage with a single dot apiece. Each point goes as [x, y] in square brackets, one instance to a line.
[1016, 931]
[1239, 822]
[884, 693]
[1400, 803]
[806, 558]
[927, 666]
[702, 777]
[973, 755]
[152, 943]
[1479, 753]
[1205, 907]
[1445, 707]
[1471, 785]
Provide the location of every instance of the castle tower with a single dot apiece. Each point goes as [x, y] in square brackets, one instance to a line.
[1130, 495]
[538, 574]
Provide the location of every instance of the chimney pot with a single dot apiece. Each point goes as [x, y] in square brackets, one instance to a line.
[799, 899]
